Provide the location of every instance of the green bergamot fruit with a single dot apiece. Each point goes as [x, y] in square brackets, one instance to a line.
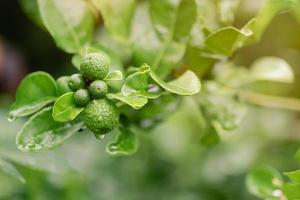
[81, 97]
[77, 82]
[98, 89]
[95, 66]
[101, 116]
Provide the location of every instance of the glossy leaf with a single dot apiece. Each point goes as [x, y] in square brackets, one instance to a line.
[226, 40]
[117, 16]
[263, 181]
[34, 92]
[135, 101]
[64, 108]
[272, 69]
[137, 81]
[11, 170]
[70, 22]
[294, 176]
[173, 18]
[114, 76]
[291, 191]
[164, 56]
[30, 7]
[187, 84]
[125, 145]
[41, 132]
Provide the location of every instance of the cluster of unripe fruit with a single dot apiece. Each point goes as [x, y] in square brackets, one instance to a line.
[100, 114]
[89, 83]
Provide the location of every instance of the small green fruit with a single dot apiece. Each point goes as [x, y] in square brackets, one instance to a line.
[76, 82]
[98, 89]
[63, 85]
[101, 116]
[81, 97]
[95, 66]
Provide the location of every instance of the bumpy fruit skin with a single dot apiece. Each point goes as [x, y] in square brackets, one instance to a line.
[95, 66]
[63, 85]
[101, 116]
[81, 97]
[77, 82]
[98, 89]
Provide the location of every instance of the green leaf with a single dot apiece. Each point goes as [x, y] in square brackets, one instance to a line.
[64, 108]
[263, 181]
[41, 132]
[272, 69]
[226, 40]
[297, 155]
[291, 191]
[148, 95]
[117, 16]
[187, 84]
[137, 81]
[114, 76]
[199, 61]
[70, 22]
[135, 101]
[266, 14]
[164, 55]
[125, 145]
[31, 9]
[173, 19]
[35, 91]
[10, 169]
[294, 176]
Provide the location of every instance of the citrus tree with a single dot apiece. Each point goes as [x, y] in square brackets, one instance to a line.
[135, 61]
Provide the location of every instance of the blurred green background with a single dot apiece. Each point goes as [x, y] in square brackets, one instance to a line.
[171, 164]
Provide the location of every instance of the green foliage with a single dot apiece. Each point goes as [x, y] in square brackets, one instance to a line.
[63, 85]
[264, 182]
[272, 69]
[267, 183]
[35, 91]
[41, 132]
[173, 20]
[117, 16]
[142, 55]
[10, 169]
[126, 144]
[114, 76]
[227, 40]
[65, 109]
[66, 28]
[186, 84]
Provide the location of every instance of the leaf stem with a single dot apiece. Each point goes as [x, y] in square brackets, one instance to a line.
[287, 103]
